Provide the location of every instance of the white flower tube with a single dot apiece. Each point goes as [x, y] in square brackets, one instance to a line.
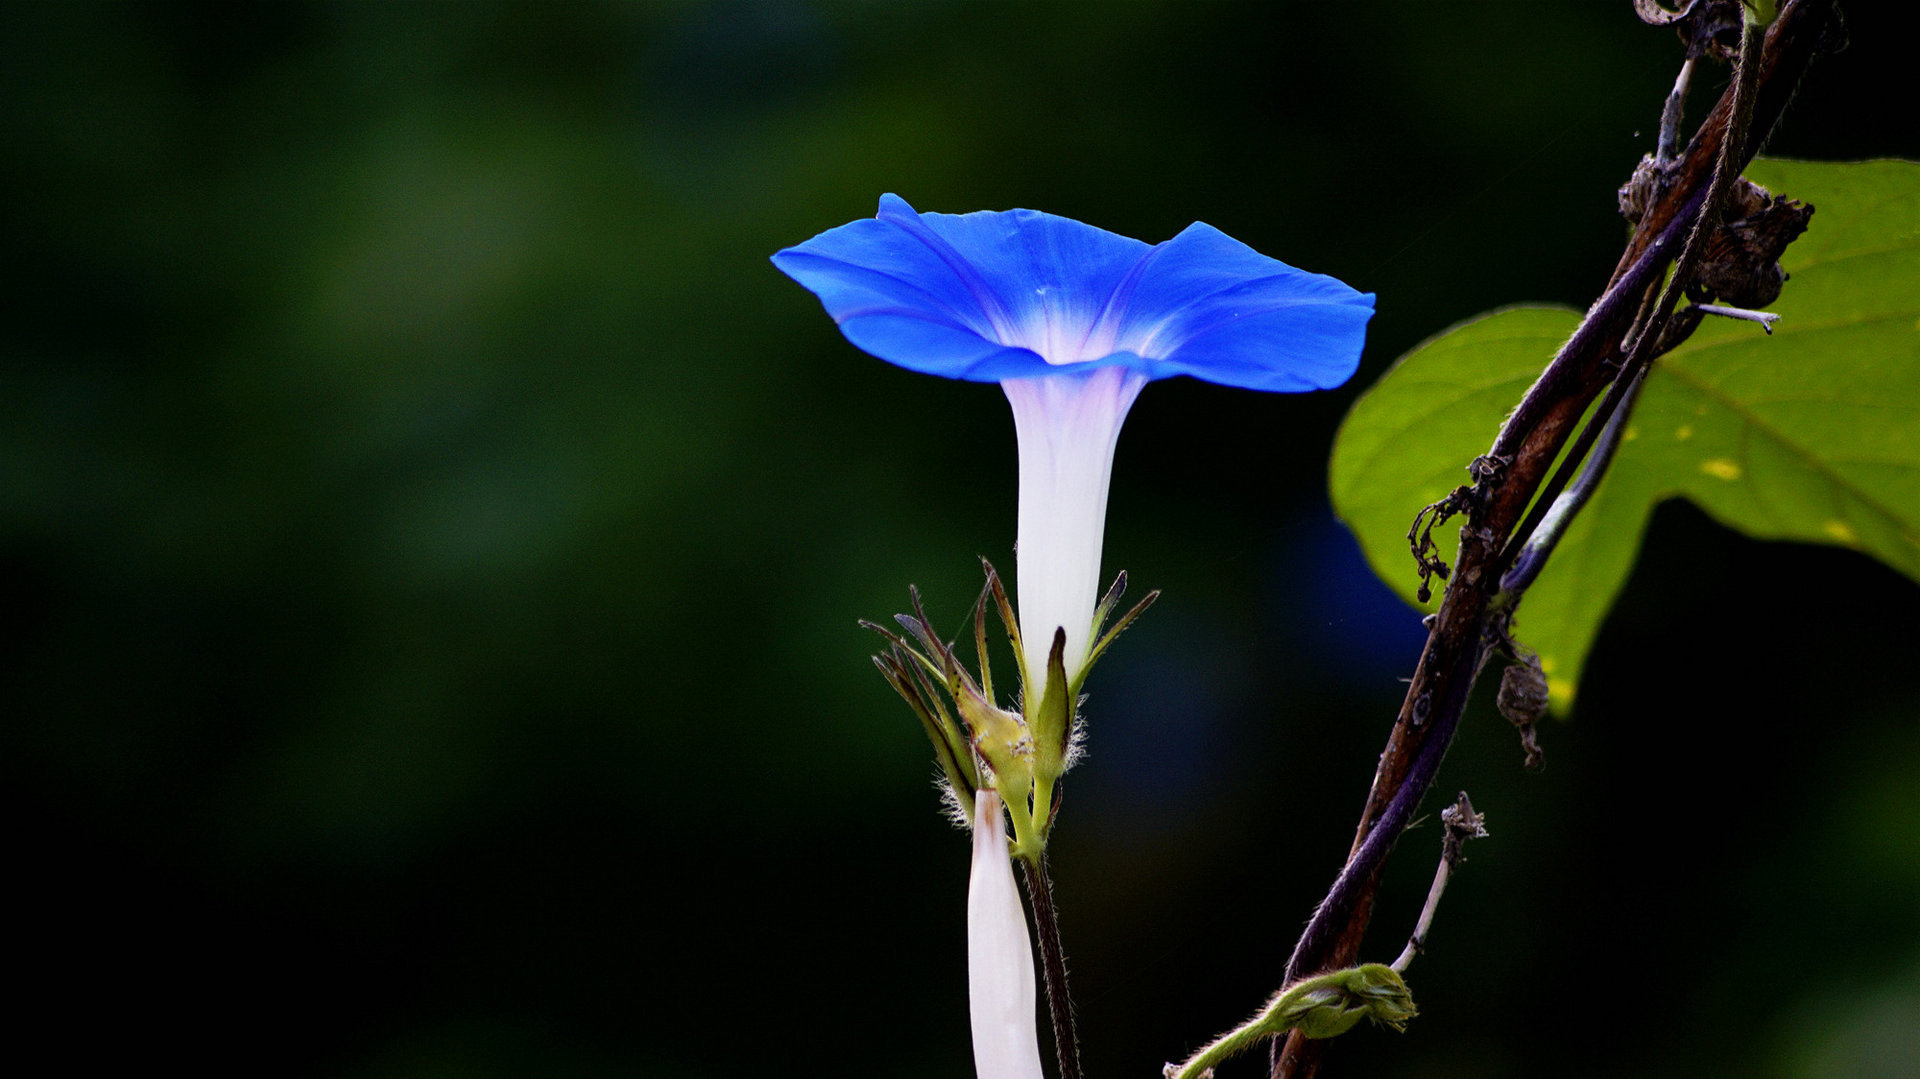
[1000, 985]
[1067, 426]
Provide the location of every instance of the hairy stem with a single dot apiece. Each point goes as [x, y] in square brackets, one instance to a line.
[1053, 965]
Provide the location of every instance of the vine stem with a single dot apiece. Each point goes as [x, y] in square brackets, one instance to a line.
[1647, 340]
[1053, 964]
[1605, 347]
[1545, 536]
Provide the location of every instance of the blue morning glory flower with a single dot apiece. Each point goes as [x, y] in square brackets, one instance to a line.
[1073, 321]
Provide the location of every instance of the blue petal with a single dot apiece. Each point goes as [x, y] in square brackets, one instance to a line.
[996, 295]
[922, 325]
[1207, 305]
[962, 295]
[1044, 270]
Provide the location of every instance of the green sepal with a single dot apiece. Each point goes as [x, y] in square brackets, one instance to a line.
[1052, 717]
[1102, 640]
[1000, 737]
[980, 645]
[1108, 602]
[1004, 741]
[913, 676]
[1007, 618]
[950, 746]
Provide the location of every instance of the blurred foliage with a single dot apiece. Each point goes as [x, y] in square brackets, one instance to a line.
[431, 537]
[1810, 432]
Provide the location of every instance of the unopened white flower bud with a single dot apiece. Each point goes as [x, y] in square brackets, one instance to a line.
[1000, 983]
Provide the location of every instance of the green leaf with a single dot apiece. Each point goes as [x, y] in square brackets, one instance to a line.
[1812, 434]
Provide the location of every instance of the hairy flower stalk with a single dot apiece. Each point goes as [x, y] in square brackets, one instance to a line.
[1073, 322]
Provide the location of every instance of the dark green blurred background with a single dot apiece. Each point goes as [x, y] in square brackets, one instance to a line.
[433, 536]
